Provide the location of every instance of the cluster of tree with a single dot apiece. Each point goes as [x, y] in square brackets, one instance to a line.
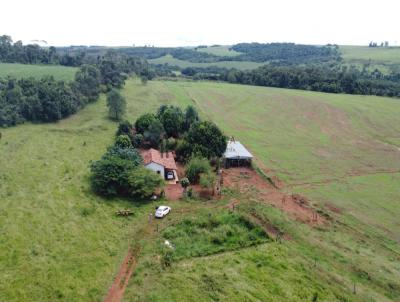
[11, 52]
[375, 44]
[46, 100]
[320, 77]
[289, 52]
[120, 173]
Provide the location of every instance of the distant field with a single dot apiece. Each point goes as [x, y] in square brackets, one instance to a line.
[168, 59]
[377, 54]
[222, 51]
[37, 71]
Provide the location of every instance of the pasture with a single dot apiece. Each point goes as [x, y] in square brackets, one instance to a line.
[241, 65]
[37, 71]
[222, 51]
[61, 242]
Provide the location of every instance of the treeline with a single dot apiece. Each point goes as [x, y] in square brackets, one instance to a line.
[325, 78]
[285, 52]
[26, 54]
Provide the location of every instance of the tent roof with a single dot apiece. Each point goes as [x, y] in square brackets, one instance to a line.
[236, 150]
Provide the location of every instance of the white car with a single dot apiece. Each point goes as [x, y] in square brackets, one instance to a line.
[162, 211]
[170, 175]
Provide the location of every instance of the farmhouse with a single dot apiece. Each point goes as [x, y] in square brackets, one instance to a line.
[236, 154]
[161, 163]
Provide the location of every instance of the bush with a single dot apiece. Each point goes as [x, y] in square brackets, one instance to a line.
[123, 141]
[185, 182]
[195, 167]
[207, 180]
[143, 182]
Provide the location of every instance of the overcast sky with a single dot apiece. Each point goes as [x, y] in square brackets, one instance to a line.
[188, 22]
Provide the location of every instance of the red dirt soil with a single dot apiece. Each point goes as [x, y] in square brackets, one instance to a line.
[248, 181]
[116, 291]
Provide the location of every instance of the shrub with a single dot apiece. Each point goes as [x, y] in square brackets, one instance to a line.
[185, 182]
[207, 180]
[195, 167]
[123, 141]
[143, 182]
[144, 121]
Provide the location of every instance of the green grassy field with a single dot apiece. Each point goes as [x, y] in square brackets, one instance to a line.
[37, 71]
[222, 51]
[61, 242]
[241, 65]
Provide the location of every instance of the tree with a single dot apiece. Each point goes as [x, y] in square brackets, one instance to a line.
[155, 133]
[109, 176]
[88, 81]
[207, 180]
[206, 139]
[195, 167]
[143, 183]
[116, 104]
[144, 122]
[137, 140]
[172, 119]
[124, 128]
[123, 141]
[185, 183]
[127, 153]
[191, 116]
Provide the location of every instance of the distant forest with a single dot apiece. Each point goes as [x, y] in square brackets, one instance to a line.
[287, 65]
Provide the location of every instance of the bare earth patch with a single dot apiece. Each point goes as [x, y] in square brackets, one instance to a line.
[248, 181]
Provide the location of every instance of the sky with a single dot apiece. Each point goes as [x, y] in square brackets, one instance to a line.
[200, 22]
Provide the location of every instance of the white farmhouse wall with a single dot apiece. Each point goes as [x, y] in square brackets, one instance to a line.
[156, 167]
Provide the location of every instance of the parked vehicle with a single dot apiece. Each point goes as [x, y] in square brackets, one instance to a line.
[170, 175]
[162, 211]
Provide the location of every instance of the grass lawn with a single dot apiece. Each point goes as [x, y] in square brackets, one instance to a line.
[241, 65]
[37, 71]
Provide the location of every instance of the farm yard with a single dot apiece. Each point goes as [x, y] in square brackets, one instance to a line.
[340, 152]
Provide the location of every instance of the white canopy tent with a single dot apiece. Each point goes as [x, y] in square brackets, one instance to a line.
[236, 154]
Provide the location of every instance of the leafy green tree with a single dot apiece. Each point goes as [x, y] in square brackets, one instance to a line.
[128, 153]
[88, 80]
[109, 176]
[137, 140]
[154, 134]
[206, 139]
[191, 116]
[123, 141]
[116, 104]
[172, 119]
[185, 183]
[144, 183]
[144, 121]
[207, 180]
[195, 167]
[124, 128]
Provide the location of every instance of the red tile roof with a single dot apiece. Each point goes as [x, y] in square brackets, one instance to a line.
[152, 155]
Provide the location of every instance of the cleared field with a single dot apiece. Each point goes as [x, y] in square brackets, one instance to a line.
[241, 65]
[37, 71]
[222, 51]
[377, 54]
[342, 152]
[61, 242]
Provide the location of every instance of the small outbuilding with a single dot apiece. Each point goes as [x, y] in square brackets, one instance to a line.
[236, 155]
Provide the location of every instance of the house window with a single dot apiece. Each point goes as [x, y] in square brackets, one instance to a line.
[158, 172]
